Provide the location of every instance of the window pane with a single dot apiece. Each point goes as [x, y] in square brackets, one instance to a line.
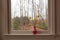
[29, 15]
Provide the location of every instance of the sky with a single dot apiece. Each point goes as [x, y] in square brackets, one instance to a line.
[15, 8]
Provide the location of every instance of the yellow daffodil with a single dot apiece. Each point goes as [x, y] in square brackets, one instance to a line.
[30, 17]
[38, 16]
[35, 20]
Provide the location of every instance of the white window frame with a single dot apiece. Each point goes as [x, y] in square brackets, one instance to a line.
[51, 11]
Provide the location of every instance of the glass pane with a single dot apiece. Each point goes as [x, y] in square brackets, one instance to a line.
[29, 15]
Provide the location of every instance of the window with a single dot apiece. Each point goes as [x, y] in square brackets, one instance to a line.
[31, 17]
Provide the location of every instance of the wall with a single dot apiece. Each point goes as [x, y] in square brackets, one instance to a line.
[58, 19]
[46, 37]
[0, 21]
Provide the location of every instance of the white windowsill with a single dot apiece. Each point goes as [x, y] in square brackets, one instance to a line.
[28, 34]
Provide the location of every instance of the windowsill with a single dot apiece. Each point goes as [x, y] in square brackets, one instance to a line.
[28, 34]
[22, 33]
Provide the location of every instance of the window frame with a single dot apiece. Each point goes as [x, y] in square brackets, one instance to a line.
[51, 5]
